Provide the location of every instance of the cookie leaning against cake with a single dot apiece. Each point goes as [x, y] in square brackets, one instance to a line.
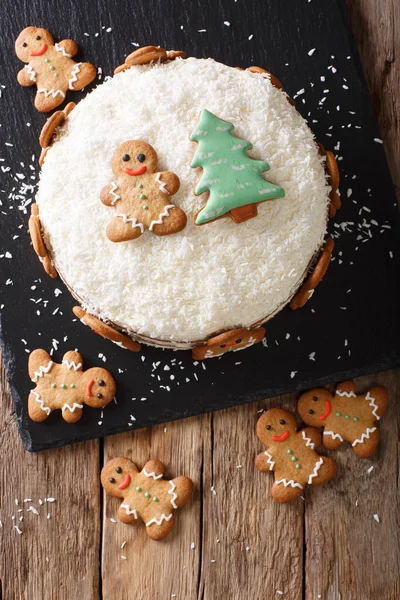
[181, 206]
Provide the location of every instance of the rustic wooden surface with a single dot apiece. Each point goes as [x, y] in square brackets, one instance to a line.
[231, 541]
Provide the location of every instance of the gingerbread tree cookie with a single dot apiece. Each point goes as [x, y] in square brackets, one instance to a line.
[140, 195]
[50, 67]
[291, 455]
[146, 494]
[346, 416]
[66, 386]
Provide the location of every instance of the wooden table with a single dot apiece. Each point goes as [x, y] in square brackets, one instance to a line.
[232, 541]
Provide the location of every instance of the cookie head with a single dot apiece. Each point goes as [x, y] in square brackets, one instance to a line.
[117, 476]
[134, 158]
[314, 406]
[275, 425]
[32, 41]
[99, 387]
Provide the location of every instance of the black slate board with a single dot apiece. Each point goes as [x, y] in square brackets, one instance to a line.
[350, 327]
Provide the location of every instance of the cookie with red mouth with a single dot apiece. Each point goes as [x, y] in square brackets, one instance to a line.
[140, 195]
[66, 386]
[146, 494]
[230, 341]
[291, 455]
[345, 416]
[50, 67]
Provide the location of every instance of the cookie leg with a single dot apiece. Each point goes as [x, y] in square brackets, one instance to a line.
[87, 72]
[159, 532]
[283, 494]
[119, 231]
[46, 104]
[71, 415]
[326, 472]
[368, 447]
[36, 409]
[173, 223]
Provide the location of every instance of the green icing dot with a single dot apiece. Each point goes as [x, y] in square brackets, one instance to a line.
[140, 185]
[347, 417]
[355, 419]
[298, 466]
[63, 386]
[145, 207]
[338, 414]
[289, 451]
[55, 74]
[138, 488]
[46, 60]
[155, 499]
[294, 458]
[147, 494]
[142, 197]
[53, 385]
[72, 385]
[230, 349]
[52, 67]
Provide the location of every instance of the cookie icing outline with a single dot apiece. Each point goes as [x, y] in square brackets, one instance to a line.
[129, 511]
[71, 408]
[334, 435]
[160, 520]
[38, 399]
[159, 221]
[51, 92]
[114, 187]
[152, 474]
[347, 394]
[173, 494]
[76, 69]
[132, 220]
[42, 371]
[62, 50]
[31, 72]
[269, 460]
[71, 364]
[161, 184]
[286, 483]
[316, 469]
[364, 436]
[308, 441]
[373, 404]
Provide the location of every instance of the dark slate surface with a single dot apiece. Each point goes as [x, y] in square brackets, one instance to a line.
[351, 325]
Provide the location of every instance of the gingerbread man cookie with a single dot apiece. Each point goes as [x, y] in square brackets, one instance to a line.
[146, 494]
[230, 341]
[50, 67]
[291, 455]
[346, 416]
[140, 195]
[66, 386]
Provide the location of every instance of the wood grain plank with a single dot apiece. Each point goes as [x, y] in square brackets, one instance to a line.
[156, 569]
[56, 557]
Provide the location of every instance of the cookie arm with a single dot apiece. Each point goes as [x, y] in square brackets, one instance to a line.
[25, 79]
[183, 488]
[262, 462]
[313, 434]
[73, 360]
[37, 359]
[125, 518]
[105, 195]
[346, 386]
[169, 181]
[380, 396]
[153, 468]
[69, 46]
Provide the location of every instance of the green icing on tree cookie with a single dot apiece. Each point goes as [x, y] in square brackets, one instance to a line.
[232, 178]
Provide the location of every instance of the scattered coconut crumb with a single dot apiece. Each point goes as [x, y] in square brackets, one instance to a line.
[213, 490]
[123, 545]
[311, 52]
[113, 520]
[192, 546]
[371, 468]
[376, 517]
[123, 557]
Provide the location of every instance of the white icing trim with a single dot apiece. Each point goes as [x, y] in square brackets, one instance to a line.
[334, 435]
[364, 436]
[71, 408]
[316, 469]
[347, 394]
[129, 511]
[270, 461]
[160, 520]
[134, 222]
[161, 216]
[51, 92]
[42, 371]
[72, 365]
[38, 399]
[373, 405]
[62, 50]
[113, 194]
[292, 483]
[307, 440]
[173, 494]
[31, 72]
[74, 73]
[161, 184]
[152, 474]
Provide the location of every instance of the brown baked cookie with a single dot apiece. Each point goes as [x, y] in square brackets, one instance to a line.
[140, 195]
[230, 341]
[146, 494]
[291, 455]
[148, 54]
[106, 331]
[315, 277]
[49, 128]
[346, 416]
[50, 67]
[66, 386]
[39, 246]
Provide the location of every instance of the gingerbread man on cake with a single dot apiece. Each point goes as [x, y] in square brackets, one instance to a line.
[140, 195]
[346, 416]
[66, 386]
[291, 455]
[146, 494]
[50, 67]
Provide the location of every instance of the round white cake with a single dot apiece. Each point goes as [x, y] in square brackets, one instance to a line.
[182, 288]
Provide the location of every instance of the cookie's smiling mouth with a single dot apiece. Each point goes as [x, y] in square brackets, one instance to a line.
[89, 387]
[39, 52]
[138, 171]
[125, 483]
[327, 410]
[280, 438]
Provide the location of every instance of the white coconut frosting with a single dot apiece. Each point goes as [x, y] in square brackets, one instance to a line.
[219, 276]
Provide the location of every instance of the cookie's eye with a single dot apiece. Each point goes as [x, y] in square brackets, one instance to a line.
[282, 421]
[311, 411]
[268, 427]
[223, 346]
[238, 341]
[315, 398]
[101, 382]
[111, 480]
[126, 157]
[38, 37]
[141, 157]
[99, 396]
[24, 44]
[119, 470]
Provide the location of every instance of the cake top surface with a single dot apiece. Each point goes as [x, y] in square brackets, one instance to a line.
[220, 275]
